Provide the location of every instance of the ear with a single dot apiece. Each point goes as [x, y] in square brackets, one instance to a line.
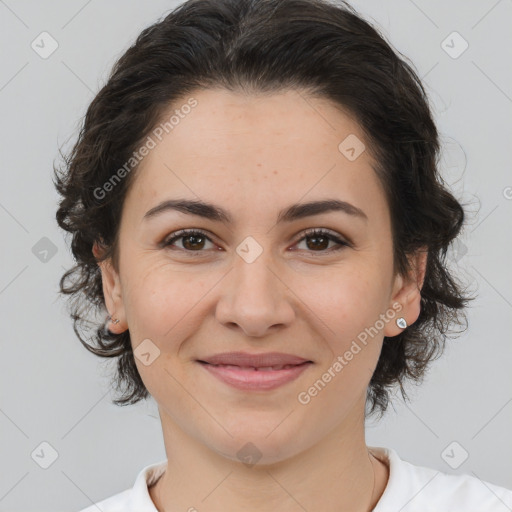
[406, 294]
[111, 292]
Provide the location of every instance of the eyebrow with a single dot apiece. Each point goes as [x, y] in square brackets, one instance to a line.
[289, 214]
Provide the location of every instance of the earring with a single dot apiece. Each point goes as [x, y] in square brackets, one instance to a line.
[113, 320]
[401, 323]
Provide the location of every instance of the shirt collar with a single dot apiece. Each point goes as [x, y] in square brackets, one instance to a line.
[141, 500]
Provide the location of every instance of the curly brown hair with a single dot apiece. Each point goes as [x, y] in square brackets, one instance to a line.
[324, 48]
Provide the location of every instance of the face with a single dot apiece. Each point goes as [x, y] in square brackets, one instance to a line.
[258, 281]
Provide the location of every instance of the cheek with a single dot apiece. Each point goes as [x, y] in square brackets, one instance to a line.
[346, 301]
[349, 304]
[160, 301]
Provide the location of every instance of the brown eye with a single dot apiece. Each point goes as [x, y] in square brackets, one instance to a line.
[191, 241]
[318, 240]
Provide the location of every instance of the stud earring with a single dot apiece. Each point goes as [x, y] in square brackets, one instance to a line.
[114, 320]
[401, 323]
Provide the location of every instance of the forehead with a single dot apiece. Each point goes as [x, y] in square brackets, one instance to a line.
[236, 123]
[265, 147]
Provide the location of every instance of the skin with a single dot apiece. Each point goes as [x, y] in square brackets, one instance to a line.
[255, 155]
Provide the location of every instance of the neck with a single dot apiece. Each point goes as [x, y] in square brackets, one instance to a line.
[336, 474]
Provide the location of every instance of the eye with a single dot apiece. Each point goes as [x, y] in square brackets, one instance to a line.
[317, 240]
[191, 240]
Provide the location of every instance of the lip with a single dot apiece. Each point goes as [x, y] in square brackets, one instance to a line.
[247, 374]
[255, 360]
[251, 379]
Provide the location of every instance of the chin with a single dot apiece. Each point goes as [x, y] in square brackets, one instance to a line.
[257, 444]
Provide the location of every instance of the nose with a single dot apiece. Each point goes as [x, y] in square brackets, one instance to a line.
[254, 298]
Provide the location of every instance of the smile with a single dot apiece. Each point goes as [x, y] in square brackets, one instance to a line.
[250, 378]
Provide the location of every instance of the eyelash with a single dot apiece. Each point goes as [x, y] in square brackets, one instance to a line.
[307, 234]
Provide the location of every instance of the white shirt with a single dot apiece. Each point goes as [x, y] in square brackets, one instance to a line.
[409, 488]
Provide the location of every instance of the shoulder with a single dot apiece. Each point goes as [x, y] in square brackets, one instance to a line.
[412, 488]
[135, 499]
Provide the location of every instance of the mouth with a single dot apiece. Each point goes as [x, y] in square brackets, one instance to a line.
[260, 376]
[256, 368]
[270, 360]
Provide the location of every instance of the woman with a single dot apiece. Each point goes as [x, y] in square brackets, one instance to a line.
[255, 203]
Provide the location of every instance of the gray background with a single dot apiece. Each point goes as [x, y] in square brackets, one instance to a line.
[54, 391]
